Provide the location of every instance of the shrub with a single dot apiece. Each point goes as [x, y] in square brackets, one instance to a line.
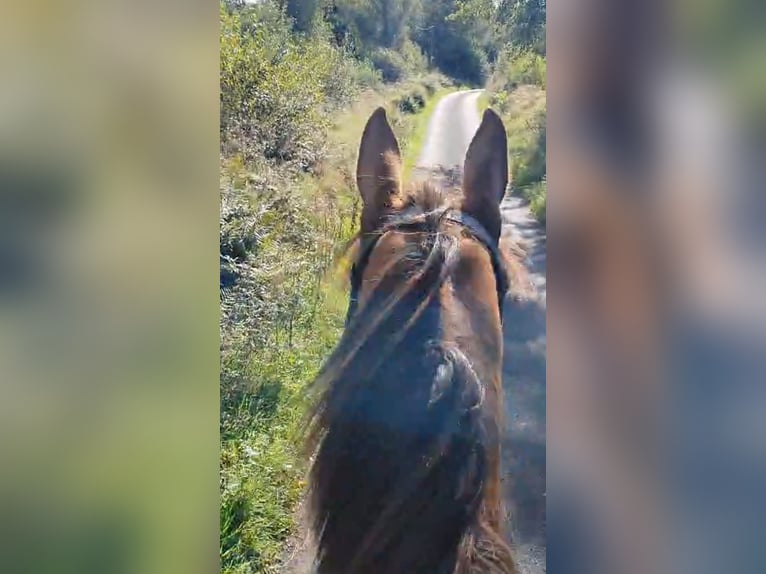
[276, 87]
[431, 85]
[514, 68]
[433, 82]
[452, 46]
[368, 76]
[277, 234]
[462, 60]
[282, 227]
[413, 101]
[398, 65]
[528, 68]
[415, 60]
[391, 64]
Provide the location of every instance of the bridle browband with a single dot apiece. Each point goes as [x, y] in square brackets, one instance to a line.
[467, 222]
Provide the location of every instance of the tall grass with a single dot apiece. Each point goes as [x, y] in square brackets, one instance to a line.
[517, 91]
[279, 320]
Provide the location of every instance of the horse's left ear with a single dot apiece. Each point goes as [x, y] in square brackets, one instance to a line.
[485, 173]
[378, 170]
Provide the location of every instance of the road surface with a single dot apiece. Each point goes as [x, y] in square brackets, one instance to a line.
[451, 128]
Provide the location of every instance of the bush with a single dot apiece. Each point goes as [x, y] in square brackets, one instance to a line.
[462, 60]
[276, 87]
[528, 68]
[514, 68]
[416, 61]
[452, 44]
[391, 64]
[413, 101]
[431, 85]
[282, 227]
[398, 65]
[367, 76]
[277, 233]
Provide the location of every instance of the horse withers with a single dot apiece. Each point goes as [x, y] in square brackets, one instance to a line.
[405, 428]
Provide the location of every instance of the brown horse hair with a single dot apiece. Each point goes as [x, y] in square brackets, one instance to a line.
[402, 438]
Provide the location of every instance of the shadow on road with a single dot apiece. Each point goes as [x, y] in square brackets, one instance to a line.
[524, 385]
[524, 442]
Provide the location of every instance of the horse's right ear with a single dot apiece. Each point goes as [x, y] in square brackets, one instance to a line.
[485, 173]
[378, 170]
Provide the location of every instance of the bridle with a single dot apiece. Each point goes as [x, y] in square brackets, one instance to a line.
[467, 222]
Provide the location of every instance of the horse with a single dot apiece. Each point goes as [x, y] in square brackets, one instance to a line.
[404, 431]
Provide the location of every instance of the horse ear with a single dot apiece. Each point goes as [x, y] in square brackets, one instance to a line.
[485, 172]
[378, 170]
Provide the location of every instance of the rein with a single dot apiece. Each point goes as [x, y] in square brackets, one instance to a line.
[467, 222]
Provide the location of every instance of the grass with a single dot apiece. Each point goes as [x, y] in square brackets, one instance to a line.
[262, 474]
[263, 384]
[536, 194]
[292, 313]
[523, 113]
[516, 90]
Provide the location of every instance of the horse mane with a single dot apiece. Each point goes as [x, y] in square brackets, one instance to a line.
[398, 429]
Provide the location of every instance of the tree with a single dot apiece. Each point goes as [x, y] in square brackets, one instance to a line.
[377, 23]
[479, 19]
[451, 42]
[303, 13]
[525, 28]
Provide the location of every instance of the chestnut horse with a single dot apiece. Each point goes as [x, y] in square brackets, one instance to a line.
[405, 431]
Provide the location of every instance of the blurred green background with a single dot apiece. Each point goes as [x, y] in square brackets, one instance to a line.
[108, 287]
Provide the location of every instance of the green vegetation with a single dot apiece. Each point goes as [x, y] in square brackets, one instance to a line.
[408, 37]
[516, 89]
[299, 78]
[514, 69]
[535, 193]
[523, 111]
